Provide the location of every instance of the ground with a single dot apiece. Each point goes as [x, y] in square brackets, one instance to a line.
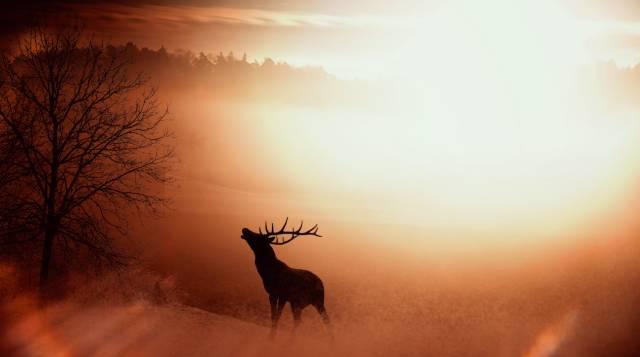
[144, 329]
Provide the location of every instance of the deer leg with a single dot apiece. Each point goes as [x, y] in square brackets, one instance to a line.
[297, 313]
[276, 310]
[325, 318]
[323, 313]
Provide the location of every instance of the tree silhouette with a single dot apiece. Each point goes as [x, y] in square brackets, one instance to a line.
[88, 140]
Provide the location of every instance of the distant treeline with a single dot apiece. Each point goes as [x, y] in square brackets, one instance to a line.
[231, 76]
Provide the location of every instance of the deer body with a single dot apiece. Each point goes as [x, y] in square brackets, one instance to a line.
[296, 286]
[282, 283]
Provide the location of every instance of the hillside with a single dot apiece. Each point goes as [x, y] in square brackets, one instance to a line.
[141, 328]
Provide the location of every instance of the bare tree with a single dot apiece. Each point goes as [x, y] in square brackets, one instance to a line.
[91, 141]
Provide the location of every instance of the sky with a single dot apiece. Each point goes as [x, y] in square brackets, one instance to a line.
[490, 82]
[337, 35]
[495, 134]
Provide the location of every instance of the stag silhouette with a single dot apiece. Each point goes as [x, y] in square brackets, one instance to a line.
[300, 288]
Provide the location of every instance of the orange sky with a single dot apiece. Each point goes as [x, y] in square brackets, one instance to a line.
[482, 127]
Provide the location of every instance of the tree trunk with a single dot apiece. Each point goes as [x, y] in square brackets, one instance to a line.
[51, 227]
[46, 258]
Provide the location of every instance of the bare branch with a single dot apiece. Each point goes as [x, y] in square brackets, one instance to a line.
[87, 139]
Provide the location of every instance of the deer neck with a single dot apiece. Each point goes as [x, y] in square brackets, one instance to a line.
[265, 256]
[267, 264]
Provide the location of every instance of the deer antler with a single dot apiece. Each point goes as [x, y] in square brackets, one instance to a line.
[273, 235]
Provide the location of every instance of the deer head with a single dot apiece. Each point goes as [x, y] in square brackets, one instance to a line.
[260, 240]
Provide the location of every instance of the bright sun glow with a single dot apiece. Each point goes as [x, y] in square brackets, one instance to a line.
[493, 138]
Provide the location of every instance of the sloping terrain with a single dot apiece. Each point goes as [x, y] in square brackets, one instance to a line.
[143, 329]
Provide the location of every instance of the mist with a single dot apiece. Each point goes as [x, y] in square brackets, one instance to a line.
[396, 284]
[454, 265]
